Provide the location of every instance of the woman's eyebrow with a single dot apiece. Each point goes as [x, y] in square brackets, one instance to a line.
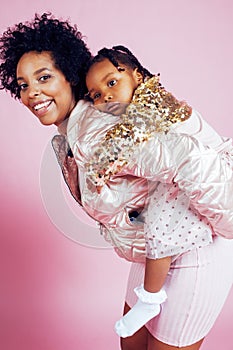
[38, 71]
[41, 70]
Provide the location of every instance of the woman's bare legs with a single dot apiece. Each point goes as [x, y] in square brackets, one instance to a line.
[154, 344]
[143, 340]
[138, 341]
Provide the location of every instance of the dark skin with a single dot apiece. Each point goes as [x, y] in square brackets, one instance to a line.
[156, 272]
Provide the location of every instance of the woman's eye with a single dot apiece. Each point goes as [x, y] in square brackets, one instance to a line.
[45, 77]
[96, 96]
[112, 83]
[23, 86]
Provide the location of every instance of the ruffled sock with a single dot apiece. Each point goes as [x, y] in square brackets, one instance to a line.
[147, 307]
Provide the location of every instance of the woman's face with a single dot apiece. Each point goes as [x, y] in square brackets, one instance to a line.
[44, 88]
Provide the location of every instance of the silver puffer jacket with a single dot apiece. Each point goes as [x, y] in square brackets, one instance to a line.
[182, 155]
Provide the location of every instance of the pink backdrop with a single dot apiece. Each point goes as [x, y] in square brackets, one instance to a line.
[55, 293]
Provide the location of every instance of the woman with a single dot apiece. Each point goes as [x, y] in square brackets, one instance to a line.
[43, 64]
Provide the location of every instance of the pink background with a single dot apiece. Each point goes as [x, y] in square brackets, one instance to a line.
[55, 293]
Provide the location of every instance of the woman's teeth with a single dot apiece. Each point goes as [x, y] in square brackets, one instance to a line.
[41, 105]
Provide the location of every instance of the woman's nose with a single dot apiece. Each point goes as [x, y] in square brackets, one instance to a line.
[33, 91]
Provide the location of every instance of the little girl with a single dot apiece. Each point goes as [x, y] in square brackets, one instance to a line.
[118, 84]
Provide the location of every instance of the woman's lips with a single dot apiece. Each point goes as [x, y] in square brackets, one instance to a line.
[41, 108]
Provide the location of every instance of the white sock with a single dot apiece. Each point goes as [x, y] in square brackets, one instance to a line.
[147, 307]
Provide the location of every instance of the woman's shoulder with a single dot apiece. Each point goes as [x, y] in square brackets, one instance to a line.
[80, 107]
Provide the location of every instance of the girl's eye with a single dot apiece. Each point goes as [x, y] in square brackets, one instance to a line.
[112, 82]
[96, 96]
[44, 77]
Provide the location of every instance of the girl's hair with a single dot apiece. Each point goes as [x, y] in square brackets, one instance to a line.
[44, 33]
[120, 54]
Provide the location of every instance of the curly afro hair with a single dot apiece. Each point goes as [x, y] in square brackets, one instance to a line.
[45, 33]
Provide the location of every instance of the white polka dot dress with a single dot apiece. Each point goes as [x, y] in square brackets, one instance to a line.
[171, 225]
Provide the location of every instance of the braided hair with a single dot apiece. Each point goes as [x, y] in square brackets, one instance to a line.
[121, 55]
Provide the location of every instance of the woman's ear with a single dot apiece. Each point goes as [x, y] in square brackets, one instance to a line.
[138, 76]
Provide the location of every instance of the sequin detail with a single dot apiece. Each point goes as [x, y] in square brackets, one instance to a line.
[152, 110]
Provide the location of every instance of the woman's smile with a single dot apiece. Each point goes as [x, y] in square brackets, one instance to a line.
[44, 88]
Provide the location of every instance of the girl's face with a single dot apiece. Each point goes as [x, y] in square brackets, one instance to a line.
[106, 83]
[44, 88]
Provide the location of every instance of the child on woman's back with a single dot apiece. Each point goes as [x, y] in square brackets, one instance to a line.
[45, 70]
[118, 84]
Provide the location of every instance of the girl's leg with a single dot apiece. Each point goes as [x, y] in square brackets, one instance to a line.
[154, 344]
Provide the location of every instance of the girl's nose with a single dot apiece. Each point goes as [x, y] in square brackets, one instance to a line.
[108, 98]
